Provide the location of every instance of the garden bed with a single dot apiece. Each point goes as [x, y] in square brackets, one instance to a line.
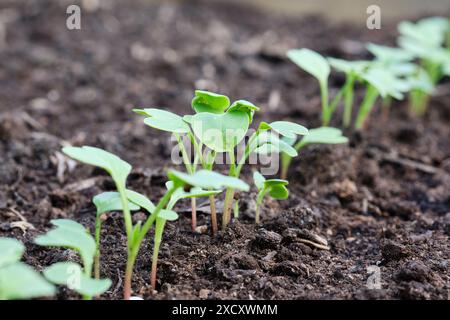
[382, 200]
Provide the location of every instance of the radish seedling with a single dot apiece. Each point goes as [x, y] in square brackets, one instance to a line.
[425, 40]
[17, 279]
[322, 135]
[354, 71]
[276, 188]
[379, 82]
[203, 102]
[72, 235]
[317, 66]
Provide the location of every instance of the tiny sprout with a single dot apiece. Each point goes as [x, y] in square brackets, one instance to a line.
[276, 188]
[17, 279]
[322, 135]
[317, 66]
[72, 235]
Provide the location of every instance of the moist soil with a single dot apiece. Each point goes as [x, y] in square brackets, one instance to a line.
[382, 200]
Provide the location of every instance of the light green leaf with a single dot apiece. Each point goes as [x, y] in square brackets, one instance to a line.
[312, 62]
[205, 101]
[428, 31]
[389, 54]
[220, 132]
[245, 106]
[386, 83]
[20, 281]
[206, 179]
[324, 135]
[164, 120]
[421, 81]
[288, 129]
[140, 200]
[259, 180]
[110, 201]
[267, 143]
[194, 192]
[116, 167]
[356, 67]
[70, 274]
[72, 235]
[169, 215]
[11, 250]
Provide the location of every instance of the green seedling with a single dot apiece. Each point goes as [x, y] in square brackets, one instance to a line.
[354, 71]
[276, 188]
[204, 102]
[106, 202]
[118, 168]
[72, 235]
[322, 135]
[219, 127]
[426, 40]
[317, 66]
[379, 82]
[17, 279]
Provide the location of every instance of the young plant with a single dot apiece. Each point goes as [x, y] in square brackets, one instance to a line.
[317, 66]
[17, 279]
[426, 40]
[119, 171]
[171, 122]
[276, 188]
[160, 214]
[354, 71]
[322, 135]
[72, 235]
[379, 82]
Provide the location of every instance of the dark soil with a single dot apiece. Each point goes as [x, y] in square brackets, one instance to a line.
[382, 200]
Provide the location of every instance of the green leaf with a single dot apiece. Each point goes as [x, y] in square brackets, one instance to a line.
[169, 215]
[386, 83]
[140, 200]
[312, 62]
[428, 31]
[194, 192]
[389, 54]
[356, 67]
[116, 167]
[288, 129]
[205, 101]
[421, 81]
[324, 135]
[110, 201]
[70, 274]
[206, 179]
[267, 143]
[220, 132]
[164, 120]
[20, 281]
[279, 192]
[72, 235]
[259, 180]
[11, 250]
[245, 106]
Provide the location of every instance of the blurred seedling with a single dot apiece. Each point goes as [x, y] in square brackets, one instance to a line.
[72, 235]
[17, 279]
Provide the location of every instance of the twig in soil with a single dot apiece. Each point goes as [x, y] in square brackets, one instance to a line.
[23, 224]
[316, 245]
[393, 157]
